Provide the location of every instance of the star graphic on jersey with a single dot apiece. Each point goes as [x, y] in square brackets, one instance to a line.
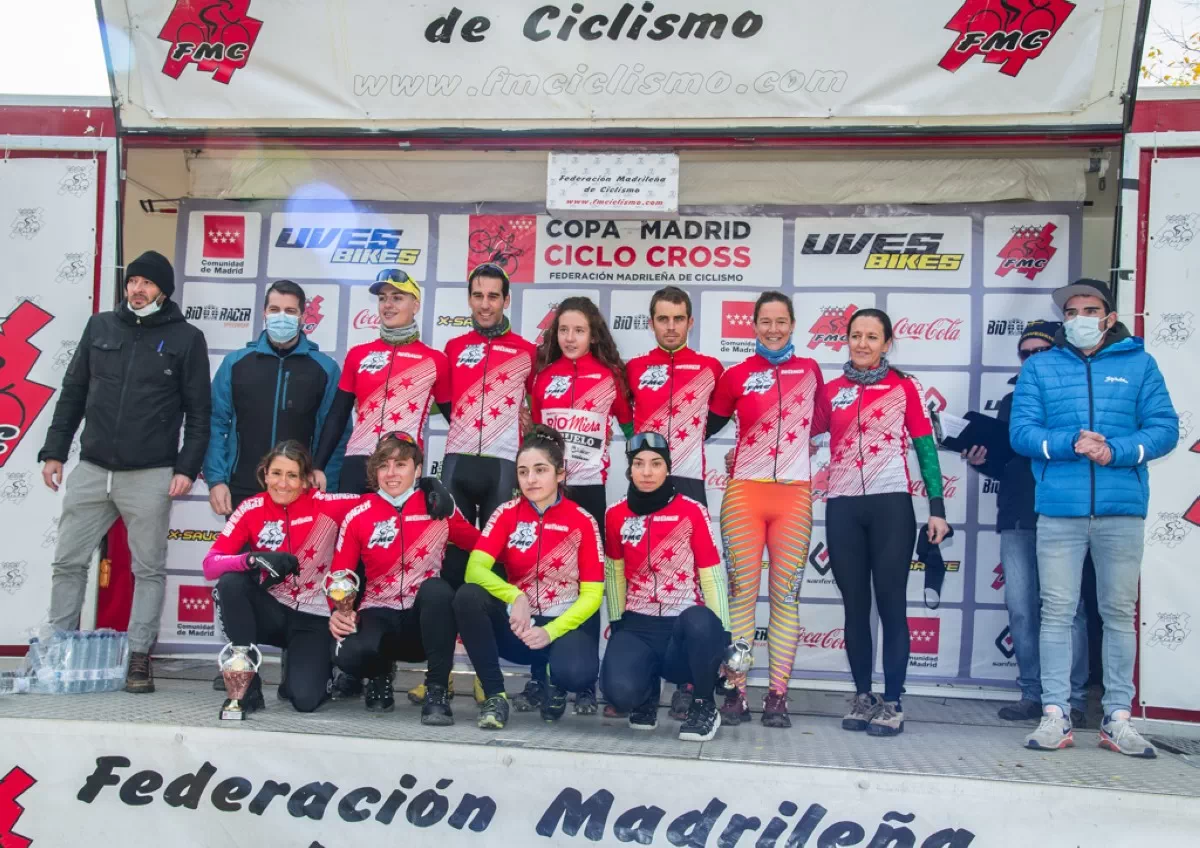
[766, 426]
[495, 412]
[430, 572]
[887, 437]
[681, 575]
[858, 463]
[470, 399]
[372, 406]
[556, 563]
[688, 397]
[682, 434]
[478, 423]
[668, 588]
[874, 449]
[674, 411]
[551, 594]
[390, 579]
[406, 383]
[378, 428]
[790, 436]
[784, 413]
[502, 377]
[695, 420]
[668, 554]
[412, 407]
[294, 592]
[310, 585]
[803, 422]
[589, 405]
[421, 552]
[656, 424]
[509, 402]
[310, 553]
[878, 413]
[411, 589]
[389, 394]
[838, 457]
[772, 452]
[395, 416]
[862, 428]
[362, 416]
[750, 441]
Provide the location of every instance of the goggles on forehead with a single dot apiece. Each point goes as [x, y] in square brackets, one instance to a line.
[490, 269]
[641, 441]
[399, 436]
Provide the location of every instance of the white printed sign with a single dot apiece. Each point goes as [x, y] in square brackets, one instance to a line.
[920, 250]
[223, 244]
[989, 571]
[224, 312]
[346, 245]
[623, 184]
[930, 330]
[992, 653]
[1004, 320]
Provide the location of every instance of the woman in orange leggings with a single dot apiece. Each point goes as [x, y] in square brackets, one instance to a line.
[778, 402]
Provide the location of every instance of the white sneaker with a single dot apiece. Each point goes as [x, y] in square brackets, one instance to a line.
[1053, 733]
[1118, 734]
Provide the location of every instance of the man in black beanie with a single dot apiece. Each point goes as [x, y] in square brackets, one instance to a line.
[1016, 522]
[138, 374]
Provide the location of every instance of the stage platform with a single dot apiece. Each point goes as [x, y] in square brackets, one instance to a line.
[952, 750]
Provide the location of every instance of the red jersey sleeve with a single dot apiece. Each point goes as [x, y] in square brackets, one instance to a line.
[235, 536]
[724, 397]
[349, 545]
[531, 352]
[612, 533]
[704, 545]
[535, 394]
[621, 408]
[337, 506]
[916, 416]
[494, 537]
[349, 371]
[591, 557]
[463, 534]
[821, 406]
[441, 384]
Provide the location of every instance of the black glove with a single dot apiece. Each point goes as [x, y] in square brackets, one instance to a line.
[438, 500]
[930, 555]
[273, 568]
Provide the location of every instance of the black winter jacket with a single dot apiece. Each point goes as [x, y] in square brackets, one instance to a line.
[1014, 504]
[135, 380]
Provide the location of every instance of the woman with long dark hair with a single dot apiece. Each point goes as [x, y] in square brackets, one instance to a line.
[269, 563]
[543, 612]
[777, 398]
[876, 415]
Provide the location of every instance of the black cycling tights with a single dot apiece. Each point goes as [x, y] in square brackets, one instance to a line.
[870, 540]
[479, 484]
[644, 649]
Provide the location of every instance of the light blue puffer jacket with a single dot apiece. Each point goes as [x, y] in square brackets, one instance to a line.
[1117, 392]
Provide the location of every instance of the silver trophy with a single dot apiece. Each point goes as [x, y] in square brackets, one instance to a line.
[238, 668]
[739, 657]
[342, 588]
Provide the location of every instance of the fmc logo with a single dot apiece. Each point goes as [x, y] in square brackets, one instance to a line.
[216, 35]
[1008, 33]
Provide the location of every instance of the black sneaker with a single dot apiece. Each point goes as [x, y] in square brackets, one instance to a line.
[140, 677]
[554, 703]
[378, 697]
[254, 697]
[1078, 718]
[436, 709]
[644, 717]
[531, 698]
[345, 686]
[493, 715]
[681, 702]
[585, 701]
[1021, 710]
[703, 719]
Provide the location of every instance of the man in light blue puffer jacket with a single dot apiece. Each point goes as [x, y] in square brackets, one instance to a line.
[1090, 414]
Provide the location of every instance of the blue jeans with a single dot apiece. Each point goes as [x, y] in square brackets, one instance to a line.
[1116, 543]
[1022, 596]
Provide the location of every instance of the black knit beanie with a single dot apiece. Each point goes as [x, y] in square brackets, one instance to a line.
[154, 267]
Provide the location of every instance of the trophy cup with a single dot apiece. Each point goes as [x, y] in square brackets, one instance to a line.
[342, 587]
[238, 669]
[739, 657]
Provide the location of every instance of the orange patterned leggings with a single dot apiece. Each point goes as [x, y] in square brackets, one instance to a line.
[778, 516]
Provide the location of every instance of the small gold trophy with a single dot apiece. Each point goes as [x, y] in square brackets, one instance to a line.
[342, 588]
[238, 669]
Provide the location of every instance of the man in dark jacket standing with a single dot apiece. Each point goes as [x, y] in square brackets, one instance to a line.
[1016, 522]
[138, 374]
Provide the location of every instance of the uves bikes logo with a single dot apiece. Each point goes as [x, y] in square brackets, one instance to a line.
[214, 35]
[1007, 33]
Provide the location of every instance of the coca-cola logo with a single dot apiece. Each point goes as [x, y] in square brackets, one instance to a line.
[828, 640]
[366, 320]
[714, 479]
[949, 487]
[937, 330]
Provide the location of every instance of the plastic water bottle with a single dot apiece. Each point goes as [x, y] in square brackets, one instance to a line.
[71, 664]
[102, 643]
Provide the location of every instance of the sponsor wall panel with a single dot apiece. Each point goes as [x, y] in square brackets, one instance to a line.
[1170, 600]
[935, 642]
[1004, 319]
[49, 209]
[223, 244]
[322, 317]
[989, 571]
[992, 655]
[346, 245]
[932, 309]
[225, 312]
[1026, 251]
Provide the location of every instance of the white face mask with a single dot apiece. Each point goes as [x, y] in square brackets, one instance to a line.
[397, 500]
[1084, 331]
[147, 310]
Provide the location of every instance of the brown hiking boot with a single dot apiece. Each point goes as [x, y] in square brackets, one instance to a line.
[140, 677]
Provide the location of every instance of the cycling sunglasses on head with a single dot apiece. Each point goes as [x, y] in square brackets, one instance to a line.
[640, 441]
[490, 269]
[399, 436]
[393, 275]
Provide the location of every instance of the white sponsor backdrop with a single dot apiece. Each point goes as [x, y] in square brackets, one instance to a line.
[48, 207]
[332, 60]
[1170, 603]
[205, 789]
[939, 317]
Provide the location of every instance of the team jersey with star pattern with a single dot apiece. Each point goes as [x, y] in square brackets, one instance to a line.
[663, 553]
[489, 379]
[545, 555]
[778, 408]
[307, 528]
[870, 430]
[671, 391]
[579, 398]
[393, 388]
[399, 549]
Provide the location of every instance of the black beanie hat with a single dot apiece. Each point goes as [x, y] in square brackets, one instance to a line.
[154, 267]
[1039, 329]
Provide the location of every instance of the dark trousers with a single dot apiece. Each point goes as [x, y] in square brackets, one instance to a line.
[573, 659]
[687, 648]
[425, 631]
[871, 541]
[479, 484]
[594, 502]
[692, 488]
[250, 615]
[353, 479]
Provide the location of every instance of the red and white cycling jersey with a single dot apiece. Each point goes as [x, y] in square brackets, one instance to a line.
[545, 555]
[489, 379]
[307, 528]
[578, 398]
[663, 554]
[399, 549]
[671, 391]
[870, 430]
[393, 388]
[778, 408]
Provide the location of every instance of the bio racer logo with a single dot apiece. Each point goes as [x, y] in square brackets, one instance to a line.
[1007, 33]
[215, 35]
[886, 251]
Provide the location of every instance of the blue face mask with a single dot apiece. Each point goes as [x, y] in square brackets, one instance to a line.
[282, 327]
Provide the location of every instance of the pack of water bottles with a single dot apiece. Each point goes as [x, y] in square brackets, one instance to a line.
[71, 662]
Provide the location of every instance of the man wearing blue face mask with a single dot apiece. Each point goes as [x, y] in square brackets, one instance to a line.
[1091, 413]
[278, 387]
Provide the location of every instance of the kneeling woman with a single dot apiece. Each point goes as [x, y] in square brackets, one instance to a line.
[405, 608]
[667, 596]
[550, 549]
[269, 563]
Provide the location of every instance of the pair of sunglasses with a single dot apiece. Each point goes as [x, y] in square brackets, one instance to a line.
[490, 269]
[393, 275]
[1025, 354]
[640, 441]
[399, 436]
